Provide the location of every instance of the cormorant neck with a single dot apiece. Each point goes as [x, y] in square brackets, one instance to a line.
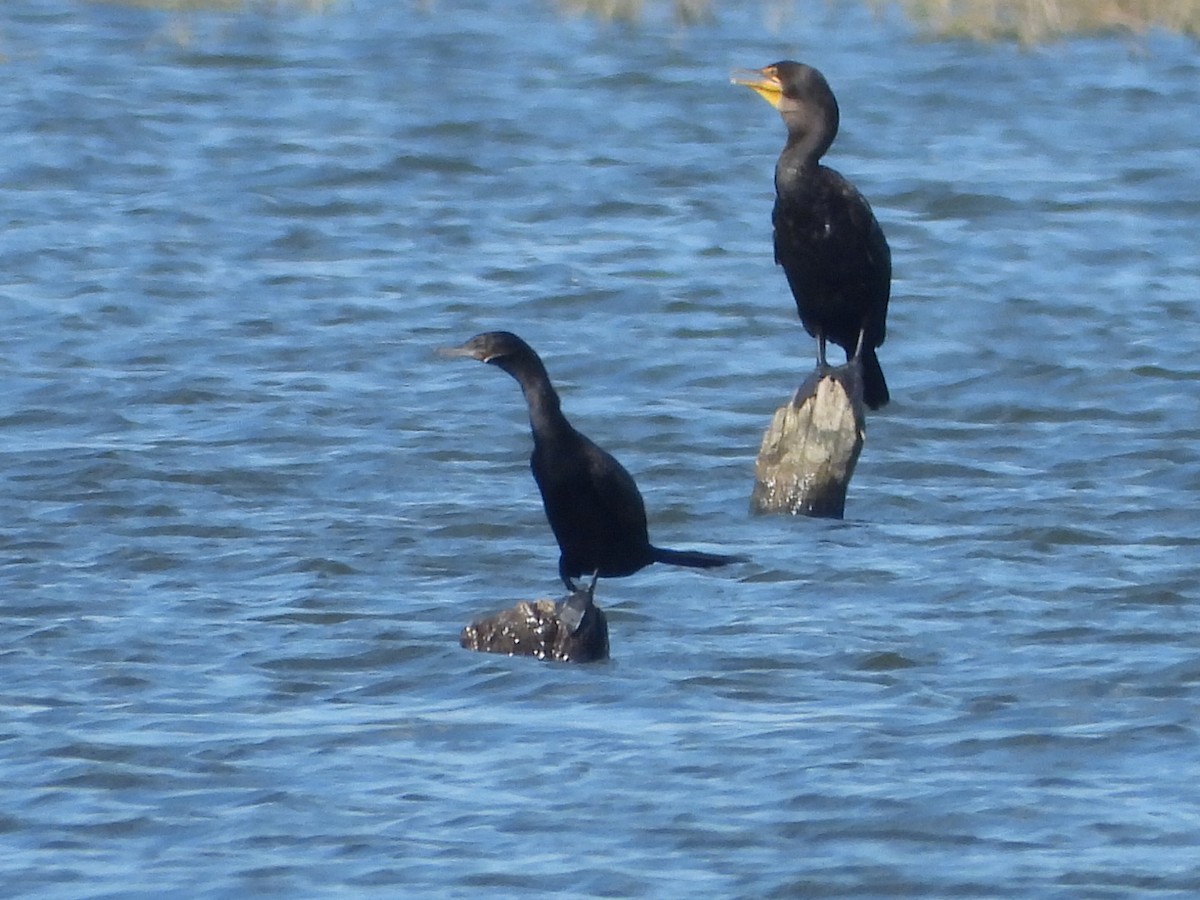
[545, 410]
[801, 155]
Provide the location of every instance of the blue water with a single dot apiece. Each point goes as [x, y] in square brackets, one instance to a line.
[246, 510]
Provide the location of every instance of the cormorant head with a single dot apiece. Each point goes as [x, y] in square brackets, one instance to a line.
[500, 348]
[803, 98]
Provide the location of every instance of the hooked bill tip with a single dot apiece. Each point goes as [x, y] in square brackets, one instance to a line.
[747, 77]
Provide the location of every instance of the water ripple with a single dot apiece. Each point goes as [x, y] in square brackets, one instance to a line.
[247, 509]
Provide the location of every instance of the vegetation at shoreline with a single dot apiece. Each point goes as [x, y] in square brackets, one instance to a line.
[1026, 21]
[224, 5]
[1041, 21]
[685, 11]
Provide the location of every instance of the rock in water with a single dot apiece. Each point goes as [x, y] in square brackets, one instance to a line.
[809, 451]
[573, 629]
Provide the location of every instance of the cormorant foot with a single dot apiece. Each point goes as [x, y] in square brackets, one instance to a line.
[573, 610]
[862, 333]
[822, 363]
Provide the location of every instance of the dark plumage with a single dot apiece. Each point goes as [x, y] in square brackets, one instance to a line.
[832, 250]
[594, 506]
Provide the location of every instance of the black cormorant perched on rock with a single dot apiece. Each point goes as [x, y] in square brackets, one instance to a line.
[832, 249]
[594, 506]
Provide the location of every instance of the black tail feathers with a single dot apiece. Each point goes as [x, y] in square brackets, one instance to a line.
[694, 559]
[875, 389]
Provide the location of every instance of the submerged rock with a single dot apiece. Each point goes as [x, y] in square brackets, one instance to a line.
[573, 629]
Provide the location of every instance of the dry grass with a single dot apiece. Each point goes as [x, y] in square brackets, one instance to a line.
[200, 5]
[685, 11]
[1039, 21]
[1027, 21]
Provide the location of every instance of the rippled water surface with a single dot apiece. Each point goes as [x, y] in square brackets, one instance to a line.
[246, 510]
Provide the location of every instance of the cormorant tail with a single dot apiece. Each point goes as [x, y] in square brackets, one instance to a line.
[694, 559]
[875, 389]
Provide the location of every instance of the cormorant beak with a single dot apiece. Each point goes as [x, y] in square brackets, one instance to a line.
[764, 82]
[465, 350]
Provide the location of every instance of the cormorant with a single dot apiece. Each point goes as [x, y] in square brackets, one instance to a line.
[832, 250]
[593, 504]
